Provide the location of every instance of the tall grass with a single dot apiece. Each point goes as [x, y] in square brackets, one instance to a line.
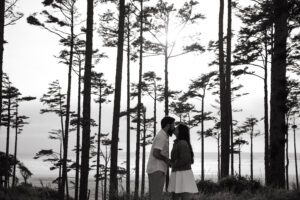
[231, 188]
[28, 192]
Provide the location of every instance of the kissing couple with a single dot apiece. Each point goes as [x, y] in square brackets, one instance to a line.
[182, 182]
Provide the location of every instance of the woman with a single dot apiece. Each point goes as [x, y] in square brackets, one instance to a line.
[182, 181]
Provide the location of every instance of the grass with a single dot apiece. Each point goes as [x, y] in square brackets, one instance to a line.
[236, 188]
[28, 192]
[231, 188]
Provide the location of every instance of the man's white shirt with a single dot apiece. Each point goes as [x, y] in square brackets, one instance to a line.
[161, 142]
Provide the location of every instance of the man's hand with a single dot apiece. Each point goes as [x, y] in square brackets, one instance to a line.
[168, 161]
[157, 154]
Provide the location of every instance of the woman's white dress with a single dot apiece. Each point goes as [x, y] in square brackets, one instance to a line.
[182, 181]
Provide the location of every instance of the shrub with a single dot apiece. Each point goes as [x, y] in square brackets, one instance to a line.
[207, 187]
[237, 184]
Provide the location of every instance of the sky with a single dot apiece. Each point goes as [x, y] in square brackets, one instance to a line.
[29, 60]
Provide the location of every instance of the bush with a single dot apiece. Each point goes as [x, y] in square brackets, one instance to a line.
[237, 184]
[28, 192]
[208, 187]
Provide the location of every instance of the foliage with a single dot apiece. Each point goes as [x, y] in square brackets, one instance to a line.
[238, 184]
[28, 192]
[11, 161]
[208, 187]
[10, 14]
[232, 184]
[25, 172]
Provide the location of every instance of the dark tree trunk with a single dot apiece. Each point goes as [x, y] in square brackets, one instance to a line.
[144, 155]
[155, 110]
[105, 174]
[251, 154]
[278, 95]
[231, 140]
[223, 107]
[61, 116]
[67, 187]
[7, 139]
[78, 134]
[98, 145]
[139, 107]
[228, 83]
[2, 22]
[86, 114]
[240, 161]
[166, 92]
[287, 156]
[16, 146]
[113, 186]
[296, 161]
[266, 118]
[60, 159]
[128, 114]
[102, 189]
[219, 164]
[62, 139]
[66, 140]
[202, 137]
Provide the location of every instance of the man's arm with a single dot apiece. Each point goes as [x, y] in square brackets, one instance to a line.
[157, 154]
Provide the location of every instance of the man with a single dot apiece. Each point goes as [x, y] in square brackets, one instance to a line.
[159, 161]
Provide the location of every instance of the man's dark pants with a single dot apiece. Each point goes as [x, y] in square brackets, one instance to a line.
[156, 184]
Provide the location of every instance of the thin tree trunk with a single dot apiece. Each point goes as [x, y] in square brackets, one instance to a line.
[16, 146]
[154, 110]
[231, 139]
[166, 92]
[139, 106]
[219, 164]
[202, 136]
[113, 186]
[278, 95]
[287, 157]
[228, 82]
[86, 129]
[66, 141]
[240, 161]
[144, 155]
[251, 154]
[98, 145]
[63, 139]
[2, 22]
[266, 118]
[224, 129]
[61, 116]
[105, 173]
[295, 154]
[128, 114]
[7, 138]
[67, 187]
[78, 133]
[60, 159]
[102, 190]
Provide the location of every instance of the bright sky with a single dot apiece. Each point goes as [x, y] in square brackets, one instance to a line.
[30, 63]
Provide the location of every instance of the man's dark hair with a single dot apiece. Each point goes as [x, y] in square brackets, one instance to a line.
[167, 120]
